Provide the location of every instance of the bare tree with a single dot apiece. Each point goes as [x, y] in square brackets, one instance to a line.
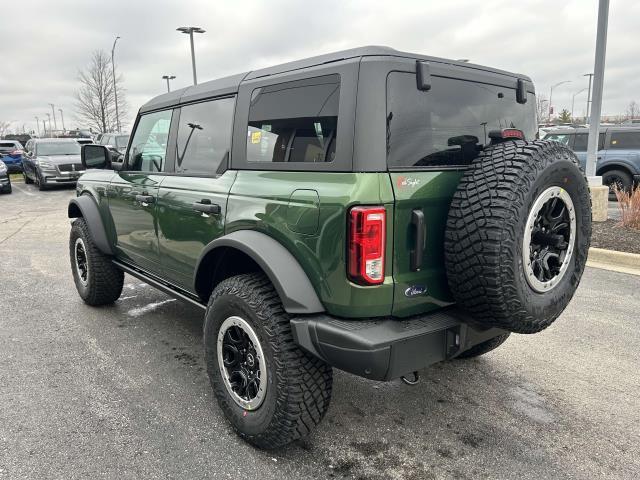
[95, 98]
[4, 128]
[633, 110]
[542, 107]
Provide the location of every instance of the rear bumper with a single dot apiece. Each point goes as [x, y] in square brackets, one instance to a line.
[387, 348]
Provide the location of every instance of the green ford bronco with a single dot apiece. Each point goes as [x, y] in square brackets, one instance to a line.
[370, 210]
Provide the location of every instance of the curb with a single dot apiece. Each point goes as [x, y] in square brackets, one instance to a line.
[613, 260]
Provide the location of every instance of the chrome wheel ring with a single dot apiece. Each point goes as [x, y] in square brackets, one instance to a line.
[81, 261]
[242, 363]
[549, 239]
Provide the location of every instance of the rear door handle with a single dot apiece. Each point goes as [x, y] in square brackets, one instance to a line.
[205, 206]
[417, 220]
[145, 199]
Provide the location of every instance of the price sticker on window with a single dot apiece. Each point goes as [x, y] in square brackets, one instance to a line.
[256, 137]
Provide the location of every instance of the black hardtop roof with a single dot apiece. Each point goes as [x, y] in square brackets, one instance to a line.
[229, 85]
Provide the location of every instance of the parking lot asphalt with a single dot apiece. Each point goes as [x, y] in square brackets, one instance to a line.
[121, 392]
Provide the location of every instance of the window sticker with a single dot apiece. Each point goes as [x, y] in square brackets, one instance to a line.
[256, 137]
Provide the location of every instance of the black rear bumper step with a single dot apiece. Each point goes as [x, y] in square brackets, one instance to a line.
[387, 348]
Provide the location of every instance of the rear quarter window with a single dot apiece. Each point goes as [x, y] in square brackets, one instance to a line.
[449, 125]
[625, 140]
[294, 121]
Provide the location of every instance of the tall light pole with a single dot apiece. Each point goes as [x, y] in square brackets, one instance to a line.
[551, 94]
[167, 78]
[573, 99]
[598, 83]
[44, 125]
[49, 117]
[590, 75]
[38, 125]
[190, 31]
[62, 118]
[53, 110]
[115, 87]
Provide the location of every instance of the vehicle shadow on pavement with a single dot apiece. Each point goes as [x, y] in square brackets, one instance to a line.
[465, 418]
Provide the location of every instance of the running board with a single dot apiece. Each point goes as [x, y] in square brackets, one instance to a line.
[159, 284]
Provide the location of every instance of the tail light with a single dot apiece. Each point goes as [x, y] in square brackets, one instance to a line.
[367, 231]
[506, 133]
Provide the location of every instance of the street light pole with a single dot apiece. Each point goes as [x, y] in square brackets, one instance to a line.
[551, 94]
[573, 99]
[62, 118]
[167, 78]
[44, 125]
[590, 75]
[191, 31]
[38, 125]
[53, 110]
[49, 117]
[598, 84]
[115, 87]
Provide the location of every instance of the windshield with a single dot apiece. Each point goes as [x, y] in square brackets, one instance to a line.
[121, 141]
[58, 148]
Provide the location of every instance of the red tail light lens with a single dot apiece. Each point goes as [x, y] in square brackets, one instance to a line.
[512, 133]
[367, 231]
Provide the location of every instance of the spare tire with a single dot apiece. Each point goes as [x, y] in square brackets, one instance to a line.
[518, 234]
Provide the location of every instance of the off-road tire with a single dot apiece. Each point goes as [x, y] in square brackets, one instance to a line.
[105, 280]
[485, 347]
[299, 385]
[485, 231]
[620, 177]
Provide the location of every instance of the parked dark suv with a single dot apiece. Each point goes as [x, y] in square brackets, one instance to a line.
[370, 210]
[618, 153]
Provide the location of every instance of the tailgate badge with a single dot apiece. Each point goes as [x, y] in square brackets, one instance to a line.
[415, 291]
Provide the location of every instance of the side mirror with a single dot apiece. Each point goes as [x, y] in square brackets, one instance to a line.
[95, 156]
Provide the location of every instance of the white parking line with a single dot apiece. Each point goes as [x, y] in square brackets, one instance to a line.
[23, 190]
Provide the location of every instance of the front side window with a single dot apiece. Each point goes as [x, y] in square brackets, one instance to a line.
[563, 138]
[204, 136]
[582, 140]
[449, 125]
[625, 140]
[149, 146]
[294, 121]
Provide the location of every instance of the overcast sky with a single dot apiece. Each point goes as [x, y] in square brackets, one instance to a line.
[47, 42]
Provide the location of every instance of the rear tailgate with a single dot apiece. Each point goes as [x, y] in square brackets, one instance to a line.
[432, 135]
[422, 204]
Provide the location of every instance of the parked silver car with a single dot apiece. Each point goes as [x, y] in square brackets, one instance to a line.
[52, 161]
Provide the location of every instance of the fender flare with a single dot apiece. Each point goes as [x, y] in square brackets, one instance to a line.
[618, 163]
[289, 279]
[86, 207]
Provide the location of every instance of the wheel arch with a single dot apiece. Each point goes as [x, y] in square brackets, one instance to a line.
[246, 251]
[617, 165]
[86, 207]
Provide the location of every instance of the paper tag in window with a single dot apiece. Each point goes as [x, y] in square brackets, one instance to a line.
[256, 137]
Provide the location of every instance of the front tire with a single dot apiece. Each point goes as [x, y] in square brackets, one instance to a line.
[271, 391]
[27, 180]
[40, 182]
[97, 279]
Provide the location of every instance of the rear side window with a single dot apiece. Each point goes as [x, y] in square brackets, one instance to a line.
[6, 145]
[294, 121]
[625, 140]
[204, 136]
[448, 125]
